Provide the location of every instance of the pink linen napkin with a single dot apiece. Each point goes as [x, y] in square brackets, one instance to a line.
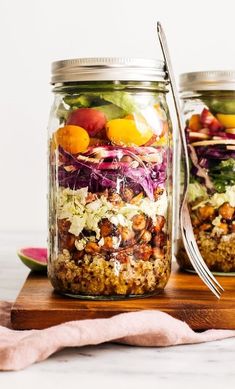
[19, 349]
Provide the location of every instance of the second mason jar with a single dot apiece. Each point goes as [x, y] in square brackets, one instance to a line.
[110, 156]
[209, 109]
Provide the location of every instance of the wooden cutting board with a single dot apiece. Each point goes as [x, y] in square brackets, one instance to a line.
[185, 298]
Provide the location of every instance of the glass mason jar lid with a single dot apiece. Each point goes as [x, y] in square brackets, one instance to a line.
[108, 69]
[208, 80]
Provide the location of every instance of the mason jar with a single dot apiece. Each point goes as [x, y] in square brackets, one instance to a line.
[110, 178]
[209, 109]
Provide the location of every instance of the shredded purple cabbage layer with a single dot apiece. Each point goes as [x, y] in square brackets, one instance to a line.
[108, 167]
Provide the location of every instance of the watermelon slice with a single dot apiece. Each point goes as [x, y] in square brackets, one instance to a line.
[35, 258]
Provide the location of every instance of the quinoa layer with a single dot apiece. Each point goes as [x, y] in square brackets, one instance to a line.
[217, 252]
[96, 276]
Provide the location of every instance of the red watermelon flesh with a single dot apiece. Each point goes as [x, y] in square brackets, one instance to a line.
[35, 258]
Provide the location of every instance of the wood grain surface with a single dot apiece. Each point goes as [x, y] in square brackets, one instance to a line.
[185, 298]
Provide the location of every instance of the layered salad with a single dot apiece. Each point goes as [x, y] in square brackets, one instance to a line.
[109, 162]
[211, 144]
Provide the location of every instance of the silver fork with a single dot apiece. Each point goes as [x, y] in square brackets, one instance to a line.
[189, 240]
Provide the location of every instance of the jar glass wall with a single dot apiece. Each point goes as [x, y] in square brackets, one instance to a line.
[110, 173]
[210, 133]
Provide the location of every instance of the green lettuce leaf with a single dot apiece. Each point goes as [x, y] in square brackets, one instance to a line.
[220, 105]
[111, 111]
[223, 174]
[196, 190]
[120, 99]
[78, 101]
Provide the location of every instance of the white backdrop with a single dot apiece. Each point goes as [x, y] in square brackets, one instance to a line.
[34, 33]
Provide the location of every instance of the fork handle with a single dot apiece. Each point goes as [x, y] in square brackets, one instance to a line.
[169, 69]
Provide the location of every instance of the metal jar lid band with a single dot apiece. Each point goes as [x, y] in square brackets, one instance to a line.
[108, 69]
[208, 80]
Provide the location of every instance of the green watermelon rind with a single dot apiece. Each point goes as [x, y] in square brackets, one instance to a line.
[32, 263]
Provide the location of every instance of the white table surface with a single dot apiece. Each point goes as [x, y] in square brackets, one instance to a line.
[209, 365]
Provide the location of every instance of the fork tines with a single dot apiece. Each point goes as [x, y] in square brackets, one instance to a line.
[194, 254]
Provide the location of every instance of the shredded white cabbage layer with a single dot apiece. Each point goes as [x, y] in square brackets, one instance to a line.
[72, 206]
